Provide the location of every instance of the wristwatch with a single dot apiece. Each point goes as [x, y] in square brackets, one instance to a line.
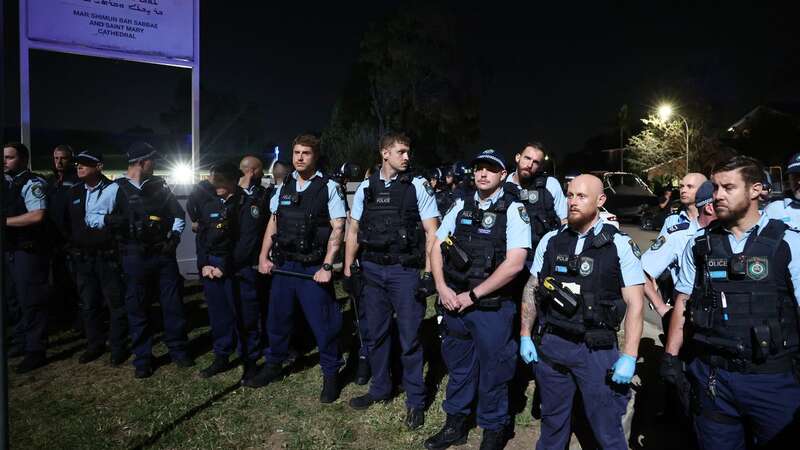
[326, 266]
[473, 297]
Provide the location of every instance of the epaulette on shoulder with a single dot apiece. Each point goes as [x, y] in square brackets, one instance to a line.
[678, 227]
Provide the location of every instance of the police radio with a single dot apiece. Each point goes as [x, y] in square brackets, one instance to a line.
[563, 300]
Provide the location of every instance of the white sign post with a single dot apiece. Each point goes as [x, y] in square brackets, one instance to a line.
[164, 32]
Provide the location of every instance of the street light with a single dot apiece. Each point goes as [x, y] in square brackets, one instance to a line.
[665, 112]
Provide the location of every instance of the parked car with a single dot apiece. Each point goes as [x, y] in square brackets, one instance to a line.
[627, 195]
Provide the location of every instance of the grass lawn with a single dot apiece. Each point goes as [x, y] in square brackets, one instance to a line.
[67, 405]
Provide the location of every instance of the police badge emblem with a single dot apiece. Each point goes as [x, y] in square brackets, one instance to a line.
[636, 251]
[523, 214]
[757, 268]
[340, 191]
[489, 220]
[658, 243]
[586, 266]
[533, 197]
[254, 212]
[428, 188]
[37, 190]
[523, 194]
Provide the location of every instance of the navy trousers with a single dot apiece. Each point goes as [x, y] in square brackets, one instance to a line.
[29, 272]
[480, 357]
[140, 267]
[320, 308]
[390, 290]
[100, 284]
[565, 366]
[233, 311]
[769, 404]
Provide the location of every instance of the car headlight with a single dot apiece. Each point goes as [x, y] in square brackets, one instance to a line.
[181, 173]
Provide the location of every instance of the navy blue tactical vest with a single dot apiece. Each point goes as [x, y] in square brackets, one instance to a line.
[539, 204]
[482, 235]
[390, 230]
[253, 217]
[756, 325]
[597, 270]
[218, 224]
[149, 220]
[29, 237]
[304, 225]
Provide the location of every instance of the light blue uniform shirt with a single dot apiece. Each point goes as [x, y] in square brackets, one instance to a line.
[336, 205]
[33, 192]
[518, 231]
[686, 275]
[785, 211]
[665, 253]
[554, 187]
[178, 225]
[674, 219]
[629, 264]
[100, 203]
[426, 203]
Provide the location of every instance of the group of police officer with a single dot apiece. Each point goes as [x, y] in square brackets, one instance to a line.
[520, 269]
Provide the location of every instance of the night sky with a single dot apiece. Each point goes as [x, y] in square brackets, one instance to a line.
[555, 74]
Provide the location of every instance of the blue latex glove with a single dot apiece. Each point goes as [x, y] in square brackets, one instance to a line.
[527, 350]
[623, 369]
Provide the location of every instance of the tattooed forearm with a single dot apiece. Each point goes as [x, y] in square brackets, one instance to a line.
[335, 240]
[528, 310]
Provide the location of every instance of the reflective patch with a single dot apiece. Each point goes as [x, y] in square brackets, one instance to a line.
[484, 231]
[561, 269]
[658, 243]
[465, 221]
[37, 190]
[757, 268]
[255, 212]
[636, 251]
[718, 274]
[523, 214]
[586, 266]
[489, 219]
[76, 201]
[533, 197]
[428, 188]
[286, 202]
[214, 215]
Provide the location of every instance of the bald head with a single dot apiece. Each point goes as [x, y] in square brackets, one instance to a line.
[252, 171]
[584, 197]
[688, 188]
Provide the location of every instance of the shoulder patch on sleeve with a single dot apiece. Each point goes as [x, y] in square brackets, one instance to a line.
[523, 214]
[658, 243]
[678, 227]
[340, 191]
[37, 189]
[428, 188]
[636, 251]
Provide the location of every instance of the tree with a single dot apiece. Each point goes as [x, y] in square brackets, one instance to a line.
[413, 75]
[658, 143]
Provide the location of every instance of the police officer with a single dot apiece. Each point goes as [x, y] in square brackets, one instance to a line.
[541, 194]
[393, 224]
[787, 210]
[59, 183]
[588, 277]
[739, 286]
[230, 225]
[666, 251]
[688, 212]
[151, 221]
[96, 260]
[26, 253]
[480, 248]
[302, 238]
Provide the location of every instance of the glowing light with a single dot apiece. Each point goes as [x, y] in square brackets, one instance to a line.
[665, 112]
[182, 173]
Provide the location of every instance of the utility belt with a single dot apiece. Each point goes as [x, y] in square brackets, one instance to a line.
[93, 252]
[413, 260]
[150, 230]
[315, 257]
[595, 339]
[782, 364]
